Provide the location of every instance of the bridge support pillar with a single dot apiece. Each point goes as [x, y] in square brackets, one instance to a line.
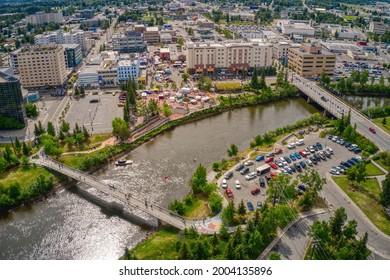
[160, 222]
[308, 100]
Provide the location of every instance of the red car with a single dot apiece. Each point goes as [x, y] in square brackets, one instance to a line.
[372, 130]
[255, 191]
[273, 175]
[302, 153]
[269, 159]
[278, 151]
[229, 193]
[273, 165]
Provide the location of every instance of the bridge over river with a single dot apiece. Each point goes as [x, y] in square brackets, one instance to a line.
[208, 226]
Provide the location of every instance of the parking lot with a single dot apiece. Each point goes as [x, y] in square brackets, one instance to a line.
[96, 117]
[340, 153]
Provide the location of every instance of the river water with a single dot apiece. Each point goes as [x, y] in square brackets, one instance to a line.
[67, 226]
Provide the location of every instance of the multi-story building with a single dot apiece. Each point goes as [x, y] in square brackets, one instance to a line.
[11, 98]
[86, 13]
[296, 27]
[211, 58]
[131, 41]
[310, 60]
[108, 71]
[42, 18]
[151, 35]
[128, 67]
[280, 50]
[73, 55]
[343, 32]
[59, 37]
[42, 65]
[378, 27]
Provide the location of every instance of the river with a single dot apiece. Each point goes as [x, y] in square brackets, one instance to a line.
[67, 226]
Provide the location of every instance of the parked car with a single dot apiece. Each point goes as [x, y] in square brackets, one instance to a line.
[292, 156]
[278, 151]
[237, 184]
[352, 147]
[244, 170]
[302, 153]
[259, 205]
[302, 187]
[260, 158]
[309, 162]
[351, 162]
[229, 193]
[273, 165]
[249, 162]
[357, 150]
[269, 159]
[357, 159]
[313, 159]
[239, 167]
[291, 145]
[255, 191]
[303, 164]
[319, 146]
[287, 159]
[250, 176]
[228, 175]
[270, 154]
[293, 168]
[312, 150]
[329, 149]
[297, 155]
[327, 154]
[224, 184]
[334, 171]
[298, 167]
[322, 155]
[279, 163]
[262, 182]
[300, 142]
[250, 206]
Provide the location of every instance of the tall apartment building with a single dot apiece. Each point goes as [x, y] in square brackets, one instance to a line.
[11, 98]
[211, 58]
[73, 55]
[310, 60]
[86, 13]
[42, 18]
[151, 35]
[42, 65]
[378, 27]
[59, 37]
[131, 41]
[280, 50]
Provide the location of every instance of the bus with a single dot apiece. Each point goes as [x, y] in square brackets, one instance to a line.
[263, 169]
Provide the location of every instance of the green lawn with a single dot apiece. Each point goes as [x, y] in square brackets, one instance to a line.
[91, 143]
[199, 209]
[350, 18]
[160, 246]
[373, 170]
[386, 127]
[24, 175]
[367, 200]
[381, 162]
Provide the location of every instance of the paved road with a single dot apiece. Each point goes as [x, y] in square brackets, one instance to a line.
[338, 108]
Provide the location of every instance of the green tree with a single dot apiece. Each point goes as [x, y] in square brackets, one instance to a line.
[65, 127]
[25, 149]
[364, 77]
[167, 111]
[241, 208]
[208, 84]
[228, 214]
[120, 128]
[184, 253]
[31, 110]
[232, 151]
[341, 85]
[85, 133]
[274, 256]
[324, 78]
[50, 129]
[384, 121]
[255, 79]
[18, 146]
[198, 180]
[153, 107]
[357, 173]
[224, 233]
[180, 41]
[385, 193]
[185, 76]
[215, 202]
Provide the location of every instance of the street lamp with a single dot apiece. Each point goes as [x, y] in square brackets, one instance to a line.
[90, 117]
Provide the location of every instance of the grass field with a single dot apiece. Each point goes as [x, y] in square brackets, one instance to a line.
[24, 175]
[350, 18]
[386, 128]
[199, 209]
[372, 170]
[367, 199]
[93, 142]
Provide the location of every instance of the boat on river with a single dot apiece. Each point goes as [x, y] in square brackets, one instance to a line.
[123, 162]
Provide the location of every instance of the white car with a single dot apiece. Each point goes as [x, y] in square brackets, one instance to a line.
[224, 184]
[309, 162]
[300, 142]
[249, 162]
[330, 150]
[250, 176]
[238, 185]
[291, 145]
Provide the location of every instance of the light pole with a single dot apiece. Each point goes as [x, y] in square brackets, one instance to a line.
[90, 117]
